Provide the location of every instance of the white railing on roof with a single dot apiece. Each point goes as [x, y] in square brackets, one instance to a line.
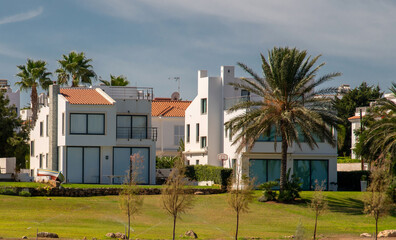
[128, 92]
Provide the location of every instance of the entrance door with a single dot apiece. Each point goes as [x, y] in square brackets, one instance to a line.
[121, 163]
[83, 165]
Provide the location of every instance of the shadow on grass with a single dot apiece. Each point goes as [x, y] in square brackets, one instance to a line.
[351, 206]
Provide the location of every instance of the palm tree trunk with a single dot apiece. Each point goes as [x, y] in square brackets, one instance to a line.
[34, 101]
[283, 162]
[174, 227]
[237, 226]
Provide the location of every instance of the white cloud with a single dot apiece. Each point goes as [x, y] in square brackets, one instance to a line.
[22, 16]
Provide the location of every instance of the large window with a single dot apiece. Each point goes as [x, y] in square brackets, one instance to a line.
[87, 123]
[83, 164]
[203, 142]
[122, 161]
[178, 134]
[203, 106]
[132, 126]
[312, 172]
[264, 170]
[188, 133]
[197, 133]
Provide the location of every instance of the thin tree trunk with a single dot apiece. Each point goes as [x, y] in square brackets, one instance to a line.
[376, 228]
[237, 226]
[174, 226]
[316, 222]
[283, 162]
[129, 225]
[34, 100]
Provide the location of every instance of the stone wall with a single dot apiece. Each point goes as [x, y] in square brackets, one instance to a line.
[89, 192]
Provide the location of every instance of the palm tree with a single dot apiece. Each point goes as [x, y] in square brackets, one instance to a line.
[34, 74]
[379, 138]
[288, 103]
[116, 81]
[76, 66]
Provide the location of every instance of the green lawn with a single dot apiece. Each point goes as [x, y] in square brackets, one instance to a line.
[210, 217]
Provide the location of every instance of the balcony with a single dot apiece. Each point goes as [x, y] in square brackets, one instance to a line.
[137, 133]
[136, 93]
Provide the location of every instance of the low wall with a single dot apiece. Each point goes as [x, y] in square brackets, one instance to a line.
[89, 192]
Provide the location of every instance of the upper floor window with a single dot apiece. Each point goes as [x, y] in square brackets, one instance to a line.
[188, 133]
[32, 148]
[41, 129]
[46, 125]
[132, 126]
[203, 105]
[63, 124]
[178, 134]
[245, 94]
[197, 133]
[87, 123]
[203, 142]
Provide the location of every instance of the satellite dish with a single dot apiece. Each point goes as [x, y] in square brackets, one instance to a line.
[175, 96]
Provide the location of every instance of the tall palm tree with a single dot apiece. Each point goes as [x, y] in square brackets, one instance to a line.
[288, 102]
[33, 75]
[379, 138]
[76, 66]
[116, 81]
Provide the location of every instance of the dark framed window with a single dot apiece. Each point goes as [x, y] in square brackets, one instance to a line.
[312, 172]
[188, 133]
[197, 162]
[46, 125]
[46, 161]
[32, 148]
[203, 142]
[87, 123]
[41, 129]
[204, 108]
[132, 126]
[264, 170]
[63, 124]
[41, 160]
[245, 94]
[197, 132]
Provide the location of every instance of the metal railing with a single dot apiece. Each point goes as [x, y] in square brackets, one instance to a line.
[229, 102]
[137, 133]
[128, 92]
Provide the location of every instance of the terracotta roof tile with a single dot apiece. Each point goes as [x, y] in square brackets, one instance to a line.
[168, 108]
[84, 96]
[354, 117]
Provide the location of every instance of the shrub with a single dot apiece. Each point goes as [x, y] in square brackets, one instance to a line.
[218, 175]
[8, 191]
[268, 194]
[350, 181]
[292, 188]
[25, 193]
[164, 162]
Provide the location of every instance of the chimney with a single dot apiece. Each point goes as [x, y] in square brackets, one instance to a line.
[54, 90]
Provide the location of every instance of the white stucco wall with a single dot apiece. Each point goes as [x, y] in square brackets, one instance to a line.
[165, 145]
[41, 143]
[14, 98]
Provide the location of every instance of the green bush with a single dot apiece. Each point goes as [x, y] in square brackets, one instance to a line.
[350, 181]
[218, 175]
[25, 193]
[292, 188]
[8, 191]
[164, 162]
[268, 194]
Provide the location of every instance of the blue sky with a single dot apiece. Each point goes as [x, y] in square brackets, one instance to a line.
[149, 41]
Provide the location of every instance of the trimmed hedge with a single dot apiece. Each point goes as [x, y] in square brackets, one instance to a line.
[350, 181]
[218, 175]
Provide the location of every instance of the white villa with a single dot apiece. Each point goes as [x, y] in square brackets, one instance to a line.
[168, 117]
[206, 138]
[90, 133]
[14, 97]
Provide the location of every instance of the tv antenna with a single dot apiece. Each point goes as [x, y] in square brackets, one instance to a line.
[177, 79]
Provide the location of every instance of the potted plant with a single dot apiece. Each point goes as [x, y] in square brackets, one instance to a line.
[363, 183]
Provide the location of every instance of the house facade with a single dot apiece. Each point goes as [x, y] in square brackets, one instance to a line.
[90, 133]
[14, 97]
[206, 138]
[168, 118]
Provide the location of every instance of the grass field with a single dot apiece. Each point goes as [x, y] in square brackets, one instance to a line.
[210, 217]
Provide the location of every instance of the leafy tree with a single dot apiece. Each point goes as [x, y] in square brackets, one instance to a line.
[78, 67]
[376, 201]
[116, 81]
[288, 102]
[13, 134]
[318, 204]
[346, 106]
[33, 75]
[175, 200]
[240, 194]
[130, 199]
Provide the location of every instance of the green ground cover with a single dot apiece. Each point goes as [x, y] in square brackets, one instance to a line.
[210, 217]
[347, 160]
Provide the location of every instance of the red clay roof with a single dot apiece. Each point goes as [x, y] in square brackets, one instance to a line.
[84, 96]
[168, 108]
[354, 117]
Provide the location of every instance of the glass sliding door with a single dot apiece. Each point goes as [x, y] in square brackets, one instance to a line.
[121, 163]
[74, 165]
[91, 165]
[264, 170]
[312, 172]
[142, 164]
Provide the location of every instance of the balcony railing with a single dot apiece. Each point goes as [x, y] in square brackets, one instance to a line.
[137, 133]
[229, 102]
[128, 92]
